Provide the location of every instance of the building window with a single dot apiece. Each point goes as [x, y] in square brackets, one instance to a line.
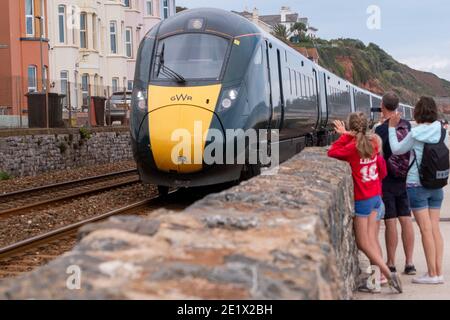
[29, 17]
[149, 8]
[32, 79]
[115, 85]
[96, 87]
[94, 31]
[64, 75]
[126, 3]
[113, 36]
[130, 85]
[129, 42]
[83, 30]
[73, 26]
[85, 88]
[62, 23]
[43, 17]
[45, 77]
[165, 9]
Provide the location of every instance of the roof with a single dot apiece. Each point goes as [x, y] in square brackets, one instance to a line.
[308, 52]
[215, 20]
[271, 19]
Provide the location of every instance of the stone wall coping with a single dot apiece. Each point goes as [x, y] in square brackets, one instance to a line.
[38, 131]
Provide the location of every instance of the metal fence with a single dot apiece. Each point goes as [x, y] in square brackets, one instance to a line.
[24, 104]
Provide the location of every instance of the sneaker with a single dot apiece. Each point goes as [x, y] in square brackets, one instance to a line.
[368, 284]
[441, 279]
[393, 269]
[426, 279]
[410, 270]
[383, 280]
[395, 283]
[365, 287]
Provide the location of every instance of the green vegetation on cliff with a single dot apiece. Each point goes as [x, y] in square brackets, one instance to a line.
[372, 68]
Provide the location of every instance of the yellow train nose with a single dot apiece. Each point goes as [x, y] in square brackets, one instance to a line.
[177, 137]
[179, 120]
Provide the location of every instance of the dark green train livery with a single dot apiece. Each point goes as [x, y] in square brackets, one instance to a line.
[207, 69]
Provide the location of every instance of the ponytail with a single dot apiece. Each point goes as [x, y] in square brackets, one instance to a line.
[358, 124]
[364, 145]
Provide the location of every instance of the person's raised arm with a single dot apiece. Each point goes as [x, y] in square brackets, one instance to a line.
[342, 149]
[399, 147]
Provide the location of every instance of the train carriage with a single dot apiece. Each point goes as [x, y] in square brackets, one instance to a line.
[207, 70]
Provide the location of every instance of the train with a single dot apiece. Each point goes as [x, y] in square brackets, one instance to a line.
[218, 70]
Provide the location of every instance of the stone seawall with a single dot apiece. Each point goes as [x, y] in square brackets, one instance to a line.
[29, 153]
[286, 236]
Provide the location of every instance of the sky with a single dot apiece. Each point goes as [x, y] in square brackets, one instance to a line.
[415, 32]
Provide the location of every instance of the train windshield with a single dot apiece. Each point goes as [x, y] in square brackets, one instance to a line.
[193, 56]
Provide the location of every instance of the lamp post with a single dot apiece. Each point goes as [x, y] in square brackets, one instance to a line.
[44, 80]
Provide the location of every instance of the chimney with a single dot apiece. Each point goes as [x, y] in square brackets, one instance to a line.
[255, 15]
[284, 12]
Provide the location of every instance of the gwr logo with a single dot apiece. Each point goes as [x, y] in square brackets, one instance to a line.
[181, 97]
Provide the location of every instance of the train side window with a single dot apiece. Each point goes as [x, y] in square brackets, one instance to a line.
[296, 87]
[300, 84]
[290, 79]
[258, 57]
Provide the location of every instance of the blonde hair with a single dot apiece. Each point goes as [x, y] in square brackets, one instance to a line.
[359, 125]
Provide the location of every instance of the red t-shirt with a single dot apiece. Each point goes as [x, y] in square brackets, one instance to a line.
[367, 173]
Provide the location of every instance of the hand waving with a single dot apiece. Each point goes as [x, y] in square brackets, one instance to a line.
[339, 127]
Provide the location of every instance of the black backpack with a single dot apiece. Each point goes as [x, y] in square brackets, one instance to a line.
[435, 166]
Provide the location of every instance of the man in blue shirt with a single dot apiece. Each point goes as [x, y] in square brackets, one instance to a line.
[395, 196]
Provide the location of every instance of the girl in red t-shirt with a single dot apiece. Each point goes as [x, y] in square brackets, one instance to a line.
[362, 152]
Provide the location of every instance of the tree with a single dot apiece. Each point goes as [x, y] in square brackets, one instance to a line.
[299, 29]
[280, 31]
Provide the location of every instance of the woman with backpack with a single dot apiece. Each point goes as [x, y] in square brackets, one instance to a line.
[427, 175]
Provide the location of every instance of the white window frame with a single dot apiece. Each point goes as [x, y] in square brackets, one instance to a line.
[84, 30]
[74, 26]
[129, 44]
[149, 5]
[62, 20]
[29, 16]
[113, 24]
[43, 18]
[85, 88]
[115, 85]
[130, 85]
[165, 9]
[94, 32]
[32, 87]
[64, 83]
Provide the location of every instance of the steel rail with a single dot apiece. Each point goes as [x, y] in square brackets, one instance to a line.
[66, 230]
[69, 196]
[64, 183]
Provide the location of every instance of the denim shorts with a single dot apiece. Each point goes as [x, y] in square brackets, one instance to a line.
[422, 198]
[364, 208]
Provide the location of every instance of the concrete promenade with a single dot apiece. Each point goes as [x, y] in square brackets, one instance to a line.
[415, 291]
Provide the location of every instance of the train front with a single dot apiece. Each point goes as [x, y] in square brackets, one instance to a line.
[189, 81]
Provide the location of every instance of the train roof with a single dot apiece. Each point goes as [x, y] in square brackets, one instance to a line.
[214, 20]
[228, 24]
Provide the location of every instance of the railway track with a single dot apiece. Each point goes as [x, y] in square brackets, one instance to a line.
[18, 201]
[25, 255]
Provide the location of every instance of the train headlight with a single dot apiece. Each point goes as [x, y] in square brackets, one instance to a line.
[229, 98]
[140, 100]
